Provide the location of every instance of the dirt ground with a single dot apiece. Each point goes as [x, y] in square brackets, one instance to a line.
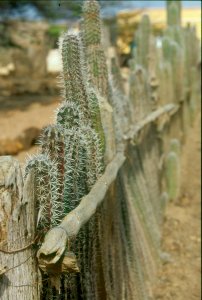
[22, 112]
[179, 277]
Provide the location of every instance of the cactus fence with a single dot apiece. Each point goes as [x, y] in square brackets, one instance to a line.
[84, 220]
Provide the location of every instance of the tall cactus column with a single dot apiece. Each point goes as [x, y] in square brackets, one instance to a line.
[143, 36]
[98, 72]
[173, 12]
[71, 160]
[94, 52]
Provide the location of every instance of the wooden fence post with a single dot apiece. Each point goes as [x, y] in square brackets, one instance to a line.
[18, 268]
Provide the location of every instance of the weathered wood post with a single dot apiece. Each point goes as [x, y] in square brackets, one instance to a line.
[18, 268]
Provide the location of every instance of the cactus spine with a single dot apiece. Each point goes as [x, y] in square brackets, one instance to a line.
[73, 148]
[97, 71]
[95, 57]
[46, 191]
[72, 152]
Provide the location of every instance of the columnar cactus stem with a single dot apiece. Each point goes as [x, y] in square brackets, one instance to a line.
[173, 53]
[69, 115]
[95, 116]
[175, 146]
[73, 149]
[195, 95]
[74, 181]
[173, 12]
[192, 52]
[47, 191]
[95, 56]
[166, 93]
[97, 71]
[81, 104]
[73, 68]
[139, 93]
[116, 75]
[172, 168]
[143, 36]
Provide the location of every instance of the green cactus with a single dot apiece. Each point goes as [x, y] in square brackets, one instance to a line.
[94, 53]
[91, 24]
[173, 53]
[52, 144]
[176, 33]
[69, 115]
[73, 72]
[139, 93]
[120, 102]
[195, 95]
[143, 36]
[170, 49]
[164, 72]
[73, 149]
[192, 52]
[175, 146]
[116, 75]
[46, 191]
[95, 116]
[173, 12]
[72, 154]
[163, 201]
[172, 171]
[98, 72]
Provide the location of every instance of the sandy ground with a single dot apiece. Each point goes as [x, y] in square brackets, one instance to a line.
[179, 277]
[20, 112]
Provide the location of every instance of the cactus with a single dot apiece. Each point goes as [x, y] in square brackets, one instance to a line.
[164, 72]
[175, 146]
[47, 191]
[142, 38]
[176, 33]
[173, 12]
[173, 53]
[139, 93]
[72, 151]
[97, 71]
[94, 53]
[172, 169]
[116, 75]
[143, 82]
[120, 103]
[69, 115]
[163, 201]
[192, 52]
[195, 95]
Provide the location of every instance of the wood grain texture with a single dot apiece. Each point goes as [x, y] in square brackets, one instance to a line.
[20, 279]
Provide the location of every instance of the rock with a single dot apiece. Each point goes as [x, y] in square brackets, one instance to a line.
[22, 142]
[23, 66]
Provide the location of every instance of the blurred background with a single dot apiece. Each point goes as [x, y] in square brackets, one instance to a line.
[30, 60]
